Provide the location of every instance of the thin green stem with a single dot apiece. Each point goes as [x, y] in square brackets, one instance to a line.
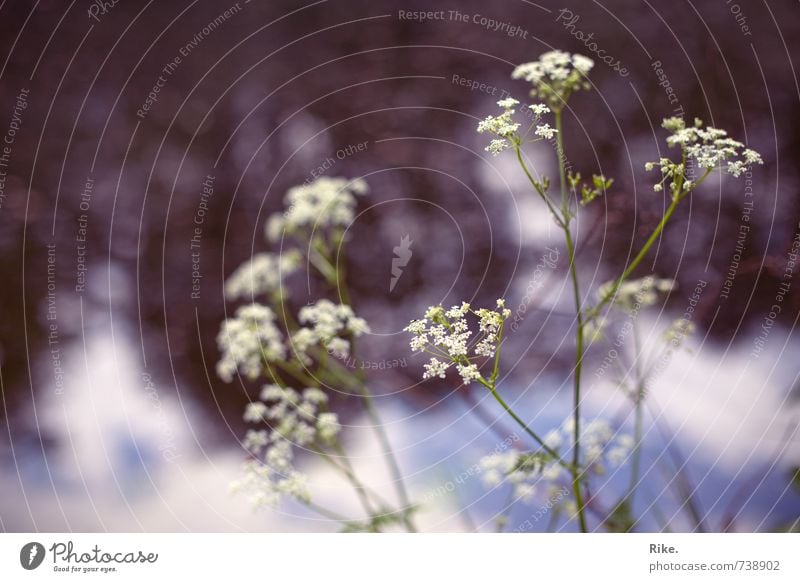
[636, 460]
[537, 188]
[346, 469]
[576, 407]
[525, 427]
[391, 459]
[562, 171]
[646, 247]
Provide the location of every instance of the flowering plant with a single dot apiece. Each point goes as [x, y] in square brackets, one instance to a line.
[264, 340]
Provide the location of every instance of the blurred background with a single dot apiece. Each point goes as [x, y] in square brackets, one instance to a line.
[115, 117]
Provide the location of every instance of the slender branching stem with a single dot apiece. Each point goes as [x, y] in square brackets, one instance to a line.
[579, 328]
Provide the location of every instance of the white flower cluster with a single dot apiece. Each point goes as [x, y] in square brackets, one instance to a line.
[445, 334]
[503, 126]
[506, 129]
[634, 294]
[296, 418]
[525, 471]
[529, 471]
[555, 76]
[247, 341]
[324, 323]
[316, 205]
[678, 331]
[262, 274]
[709, 147]
[599, 444]
[266, 482]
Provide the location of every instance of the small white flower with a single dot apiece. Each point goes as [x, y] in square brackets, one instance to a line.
[496, 146]
[539, 108]
[263, 273]
[435, 369]
[247, 341]
[524, 491]
[328, 426]
[255, 411]
[555, 75]
[553, 439]
[545, 131]
[582, 63]
[508, 103]
[468, 373]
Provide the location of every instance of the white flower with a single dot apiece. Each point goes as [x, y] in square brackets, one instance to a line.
[497, 146]
[255, 440]
[447, 332]
[247, 341]
[315, 396]
[553, 439]
[325, 202]
[545, 131]
[539, 109]
[501, 126]
[469, 373]
[266, 481]
[324, 323]
[255, 412]
[634, 294]
[435, 369]
[339, 347]
[677, 332]
[524, 491]
[708, 147]
[508, 103]
[555, 75]
[328, 426]
[263, 273]
[582, 63]
[296, 420]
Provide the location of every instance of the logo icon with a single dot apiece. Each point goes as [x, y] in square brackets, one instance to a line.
[402, 254]
[31, 555]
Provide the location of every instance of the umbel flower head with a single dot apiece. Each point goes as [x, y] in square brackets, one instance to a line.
[323, 325]
[555, 76]
[325, 202]
[634, 294]
[705, 147]
[263, 274]
[247, 341]
[445, 335]
[292, 418]
[530, 472]
[506, 129]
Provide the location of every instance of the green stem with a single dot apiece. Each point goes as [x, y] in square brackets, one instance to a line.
[347, 470]
[562, 171]
[639, 257]
[579, 339]
[524, 426]
[391, 459]
[649, 243]
[542, 194]
[576, 407]
[338, 279]
[636, 460]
